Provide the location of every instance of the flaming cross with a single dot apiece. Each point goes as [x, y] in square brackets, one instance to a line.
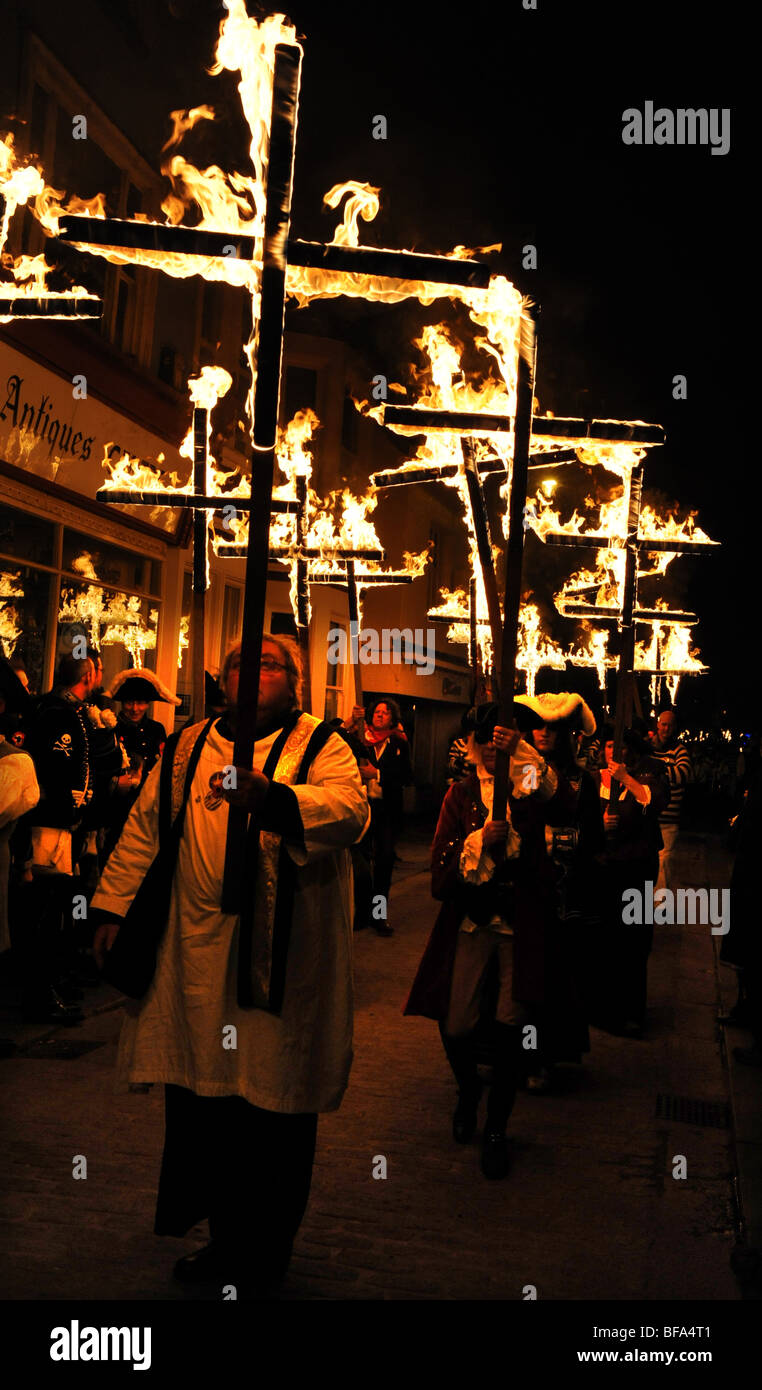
[627, 613]
[276, 250]
[27, 297]
[565, 436]
[205, 391]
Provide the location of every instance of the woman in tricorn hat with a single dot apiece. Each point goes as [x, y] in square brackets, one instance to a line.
[498, 886]
[142, 740]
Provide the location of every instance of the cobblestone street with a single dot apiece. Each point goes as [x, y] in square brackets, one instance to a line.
[590, 1210]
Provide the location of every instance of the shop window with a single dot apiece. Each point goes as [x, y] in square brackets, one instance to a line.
[24, 610]
[94, 559]
[232, 610]
[349, 425]
[105, 593]
[299, 392]
[27, 536]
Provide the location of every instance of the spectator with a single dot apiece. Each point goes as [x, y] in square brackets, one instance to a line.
[19, 791]
[61, 745]
[675, 759]
[632, 826]
[383, 735]
[141, 740]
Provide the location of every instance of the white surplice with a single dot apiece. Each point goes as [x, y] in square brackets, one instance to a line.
[180, 1031]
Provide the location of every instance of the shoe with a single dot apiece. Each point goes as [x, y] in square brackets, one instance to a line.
[464, 1119]
[750, 1056]
[539, 1083]
[495, 1158]
[206, 1264]
[54, 1010]
[383, 929]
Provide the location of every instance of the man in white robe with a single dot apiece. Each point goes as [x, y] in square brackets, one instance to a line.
[243, 1085]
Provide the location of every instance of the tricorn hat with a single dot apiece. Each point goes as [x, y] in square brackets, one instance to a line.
[139, 684]
[564, 707]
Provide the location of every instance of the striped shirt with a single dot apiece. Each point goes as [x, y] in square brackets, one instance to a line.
[679, 769]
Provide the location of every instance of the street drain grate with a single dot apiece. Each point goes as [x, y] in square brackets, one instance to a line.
[60, 1049]
[712, 1114]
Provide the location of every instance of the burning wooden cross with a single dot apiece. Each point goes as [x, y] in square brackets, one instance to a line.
[205, 391]
[27, 297]
[525, 426]
[627, 613]
[274, 249]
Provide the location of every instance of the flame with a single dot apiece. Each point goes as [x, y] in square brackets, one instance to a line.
[10, 630]
[669, 654]
[364, 202]
[19, 184]
[183, 638]
[536, 649]
[83, 565]
[121, 614]
[595, 654]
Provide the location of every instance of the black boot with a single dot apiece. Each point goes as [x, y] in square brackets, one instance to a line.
[506, 1043]
[461, 1056]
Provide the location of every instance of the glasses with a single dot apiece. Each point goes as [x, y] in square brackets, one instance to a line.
[270, 665]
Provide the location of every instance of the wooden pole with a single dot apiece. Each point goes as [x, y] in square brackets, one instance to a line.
[354, 629]
[199, 582]
[483, 544]
[303, 593]
[625, 677]
[514, 546]
[280, 174]
[473, 645]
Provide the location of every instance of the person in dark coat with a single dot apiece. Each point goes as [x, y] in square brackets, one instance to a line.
[141, 740]
[499, 894]
[386, 741]
[634, 839]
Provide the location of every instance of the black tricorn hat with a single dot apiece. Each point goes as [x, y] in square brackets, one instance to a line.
[138, 683]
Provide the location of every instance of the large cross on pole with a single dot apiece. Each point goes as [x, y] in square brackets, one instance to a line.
[279, 250]
[627, 613]
[201, 503]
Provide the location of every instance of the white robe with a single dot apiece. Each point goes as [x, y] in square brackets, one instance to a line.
[180, 1031]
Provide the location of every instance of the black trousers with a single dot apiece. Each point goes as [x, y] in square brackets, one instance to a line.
[245, 1169]
[385, 826]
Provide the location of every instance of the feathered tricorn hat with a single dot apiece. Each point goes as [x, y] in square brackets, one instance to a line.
[139, 684]
[564, 707]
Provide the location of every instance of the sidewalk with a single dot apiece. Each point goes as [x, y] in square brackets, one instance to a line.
[590, 1210]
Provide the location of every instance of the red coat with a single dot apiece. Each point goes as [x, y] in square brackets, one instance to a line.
[541, 944]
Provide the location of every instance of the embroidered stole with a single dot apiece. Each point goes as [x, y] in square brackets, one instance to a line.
[265, 920]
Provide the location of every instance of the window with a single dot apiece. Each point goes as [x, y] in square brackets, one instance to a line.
[232, 612]
[73, 584]
[334, 678]
[349, 425]
[299, 392]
